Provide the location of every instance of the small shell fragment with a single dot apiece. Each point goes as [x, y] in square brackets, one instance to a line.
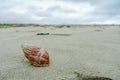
[38, 56]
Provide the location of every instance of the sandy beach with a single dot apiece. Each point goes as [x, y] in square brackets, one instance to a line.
[89, 50]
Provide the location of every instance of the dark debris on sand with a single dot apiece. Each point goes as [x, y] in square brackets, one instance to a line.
[82, 77]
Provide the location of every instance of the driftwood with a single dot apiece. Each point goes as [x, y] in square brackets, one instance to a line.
[56, 34]
[43, 33]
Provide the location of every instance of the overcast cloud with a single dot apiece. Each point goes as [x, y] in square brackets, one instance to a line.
[60, 11]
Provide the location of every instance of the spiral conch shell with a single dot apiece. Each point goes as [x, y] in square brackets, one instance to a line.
[36, 55]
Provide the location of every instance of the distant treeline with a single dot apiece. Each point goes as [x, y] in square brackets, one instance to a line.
[54, 25]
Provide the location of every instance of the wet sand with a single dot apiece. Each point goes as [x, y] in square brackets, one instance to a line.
[90, 51]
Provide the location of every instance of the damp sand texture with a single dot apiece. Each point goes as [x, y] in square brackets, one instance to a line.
[91, 51]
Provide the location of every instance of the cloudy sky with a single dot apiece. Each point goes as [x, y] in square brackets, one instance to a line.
[60, 11]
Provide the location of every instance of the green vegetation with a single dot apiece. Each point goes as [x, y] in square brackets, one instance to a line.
[5, 25]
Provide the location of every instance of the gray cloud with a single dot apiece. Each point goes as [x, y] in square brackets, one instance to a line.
[59, 8]
[60, 12]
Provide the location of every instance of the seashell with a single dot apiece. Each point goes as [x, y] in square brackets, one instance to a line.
[38, 56]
